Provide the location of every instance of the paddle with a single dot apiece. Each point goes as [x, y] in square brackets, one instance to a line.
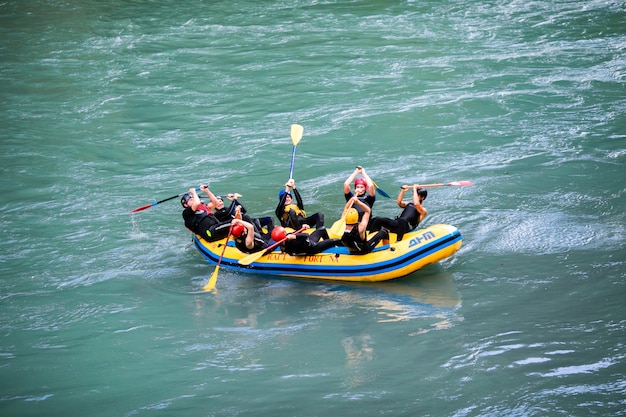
[147, 206]
[337, 229]
[453, 183]
[379, 190]
[253, 257]
[213, 280]
[296, 135]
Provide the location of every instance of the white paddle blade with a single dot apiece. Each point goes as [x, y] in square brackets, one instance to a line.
[296, 133]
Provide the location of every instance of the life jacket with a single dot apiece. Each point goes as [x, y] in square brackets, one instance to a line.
[294, 207]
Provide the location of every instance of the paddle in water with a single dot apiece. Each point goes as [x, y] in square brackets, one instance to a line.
[213, 280]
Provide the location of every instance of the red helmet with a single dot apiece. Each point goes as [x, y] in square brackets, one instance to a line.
[278, 233]
[238, 230]
[360, 181]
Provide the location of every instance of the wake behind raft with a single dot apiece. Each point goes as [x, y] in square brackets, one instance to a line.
[390, 261]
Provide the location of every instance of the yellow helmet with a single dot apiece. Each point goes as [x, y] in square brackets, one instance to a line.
[352, 216]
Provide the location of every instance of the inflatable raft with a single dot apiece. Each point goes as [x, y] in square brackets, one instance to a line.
[390, 261]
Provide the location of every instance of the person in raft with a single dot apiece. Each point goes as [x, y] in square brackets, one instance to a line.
[363, 189]
[247, 239]
[355, 236]
[298, 244]
[226, 214]
[293, 215]
[199, 217]
[412, 214]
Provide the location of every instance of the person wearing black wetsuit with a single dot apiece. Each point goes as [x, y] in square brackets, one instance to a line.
[200, 219]
[355, 236]
[227, 214]
[293, 215]
[247, 239]
[299, 244]
[364, 189]
[412, 214]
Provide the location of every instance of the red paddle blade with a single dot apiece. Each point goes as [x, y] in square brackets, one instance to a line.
[461, 183]
[141, 208]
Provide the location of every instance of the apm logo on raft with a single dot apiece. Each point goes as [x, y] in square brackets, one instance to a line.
[418, 239]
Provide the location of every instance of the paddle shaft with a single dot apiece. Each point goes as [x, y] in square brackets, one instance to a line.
[147, 206]
[213, 280]
[293, 159]
[454, 183]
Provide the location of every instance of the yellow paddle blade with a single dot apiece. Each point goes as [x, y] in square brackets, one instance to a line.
[253, 257]
[337, 229]
[212, 281]
[296, 133]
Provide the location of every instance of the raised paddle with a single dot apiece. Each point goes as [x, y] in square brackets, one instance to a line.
[213, 280]
[453, 183]
[339, 226]
[296, 135]
[147, 206]
[380, 190]
[253, 257]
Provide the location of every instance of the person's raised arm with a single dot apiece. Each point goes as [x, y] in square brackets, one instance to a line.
[418, 205]
[401, 203]
[194, 202]
[367, 211]
[371, 190]
[348, 182]
[296, 194]
[212, 197]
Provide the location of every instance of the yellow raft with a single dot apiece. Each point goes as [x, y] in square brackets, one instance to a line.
[390, 261]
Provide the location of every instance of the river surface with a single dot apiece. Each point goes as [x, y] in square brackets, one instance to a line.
[109, 105]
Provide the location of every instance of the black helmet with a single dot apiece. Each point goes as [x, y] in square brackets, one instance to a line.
[185, 198]
[422, 192]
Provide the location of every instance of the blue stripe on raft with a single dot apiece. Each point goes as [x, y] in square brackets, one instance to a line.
[328, 270]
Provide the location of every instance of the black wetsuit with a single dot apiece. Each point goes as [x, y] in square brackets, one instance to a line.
[365, 198]
[260, 242]
[202, 222]
[352, 240]
[309, 244]
[408, 220]
[296, 218]
[226, 215]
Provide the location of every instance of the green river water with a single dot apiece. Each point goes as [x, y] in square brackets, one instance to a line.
[108, 105]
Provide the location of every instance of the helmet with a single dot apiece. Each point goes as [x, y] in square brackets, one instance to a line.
[352, 216]
[278, 233]
[185, 198]
[422, 192]
[238, 230]
[360, 181]
[282, 193]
